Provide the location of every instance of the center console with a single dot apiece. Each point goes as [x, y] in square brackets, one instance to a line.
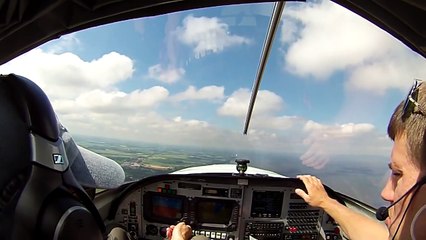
[224, 208]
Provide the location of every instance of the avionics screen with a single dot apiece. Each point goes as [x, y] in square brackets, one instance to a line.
[214, 211]
[267, 204]
[164, 207]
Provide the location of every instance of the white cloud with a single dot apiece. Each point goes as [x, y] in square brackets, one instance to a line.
[337, 131]
[340, 138]
[237, 104]
[99, 100]
[149, 126]
[325, 142]
[167, 75]
[393, 72]
[212, 93]
[257, 136]
[207, 35]
[331, 39]
[66, 75]
[190, 123]
[152, 127]
[114, 102]
[288, 31]
[64, 44]
[276, 122]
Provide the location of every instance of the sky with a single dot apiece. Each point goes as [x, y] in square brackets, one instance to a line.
[330, 86]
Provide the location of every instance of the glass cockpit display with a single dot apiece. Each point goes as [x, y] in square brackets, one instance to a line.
[214, 211]
[163, 207]
[267, 204]
[167, 207]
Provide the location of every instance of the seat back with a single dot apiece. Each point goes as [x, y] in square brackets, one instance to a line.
[39, 196]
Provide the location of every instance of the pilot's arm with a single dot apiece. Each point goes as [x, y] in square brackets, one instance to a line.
[355, 225]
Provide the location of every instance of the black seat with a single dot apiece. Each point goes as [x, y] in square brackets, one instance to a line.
[39, 196]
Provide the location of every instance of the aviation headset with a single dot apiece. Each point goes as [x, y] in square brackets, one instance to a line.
[39, 196]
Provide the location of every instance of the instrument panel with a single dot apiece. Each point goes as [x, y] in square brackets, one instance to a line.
[222, 207]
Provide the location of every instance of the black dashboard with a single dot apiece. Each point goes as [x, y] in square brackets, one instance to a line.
[222, 207]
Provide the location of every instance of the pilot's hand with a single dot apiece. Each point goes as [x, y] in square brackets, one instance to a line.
[179, 232]
[316, 195]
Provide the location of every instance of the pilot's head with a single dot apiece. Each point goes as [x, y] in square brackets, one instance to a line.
[409, 121]
[407, 128]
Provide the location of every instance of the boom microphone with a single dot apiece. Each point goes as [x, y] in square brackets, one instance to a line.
[382, 213]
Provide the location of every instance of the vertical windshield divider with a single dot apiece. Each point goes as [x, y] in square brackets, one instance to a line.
[270, 36]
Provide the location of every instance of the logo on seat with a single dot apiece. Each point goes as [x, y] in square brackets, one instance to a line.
[58, 159]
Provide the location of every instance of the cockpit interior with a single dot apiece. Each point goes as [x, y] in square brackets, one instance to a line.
[48, 186]
[222, 206]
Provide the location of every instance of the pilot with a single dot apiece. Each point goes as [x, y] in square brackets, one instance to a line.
[405, 217]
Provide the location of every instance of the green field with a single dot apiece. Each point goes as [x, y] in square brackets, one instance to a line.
[141, 160]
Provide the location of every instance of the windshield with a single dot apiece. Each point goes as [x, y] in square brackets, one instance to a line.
[163, 93]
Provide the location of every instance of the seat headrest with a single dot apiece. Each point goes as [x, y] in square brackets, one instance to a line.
[32, 104]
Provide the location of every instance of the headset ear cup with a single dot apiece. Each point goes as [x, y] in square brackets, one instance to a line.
[65, 218]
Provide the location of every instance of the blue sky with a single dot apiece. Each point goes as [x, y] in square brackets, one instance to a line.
[185, 78]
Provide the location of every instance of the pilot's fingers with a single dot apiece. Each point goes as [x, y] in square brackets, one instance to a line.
[315, 194]
[187, 234]
[169, 231]
[302, 194]
[309, 180]
[306, 179]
